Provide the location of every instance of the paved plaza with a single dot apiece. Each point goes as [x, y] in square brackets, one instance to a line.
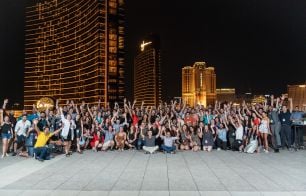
[134, 173]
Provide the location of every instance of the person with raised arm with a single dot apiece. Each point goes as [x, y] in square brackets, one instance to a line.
[168, 142]
[150, 146]
[6, 132]
[285, 117]
[40, 149]
[238, 143]
[68, 131]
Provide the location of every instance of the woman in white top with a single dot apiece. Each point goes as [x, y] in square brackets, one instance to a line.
[264, 130]
[67, 131]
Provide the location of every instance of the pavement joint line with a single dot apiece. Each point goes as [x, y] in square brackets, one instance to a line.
[53, 161]
[225, 187]
[285, 171]
[235, 171]
[130, 159]
[188, 167]
[101, 170]
[168, 174]
[144, 173]
[262, 173]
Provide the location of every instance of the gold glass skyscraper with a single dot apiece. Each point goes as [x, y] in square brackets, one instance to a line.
[147, 72]
[199, 84]
[74, 50]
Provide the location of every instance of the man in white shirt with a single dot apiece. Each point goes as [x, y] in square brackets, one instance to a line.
[21, 130]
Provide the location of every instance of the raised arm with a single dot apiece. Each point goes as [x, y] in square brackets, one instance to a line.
[254, 109]
[159, 132]
[35, 122]
[134, 104]
[90, 113]
[4, 104]
[1, 116]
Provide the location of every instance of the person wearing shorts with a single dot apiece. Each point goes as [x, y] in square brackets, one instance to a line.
[6, 133]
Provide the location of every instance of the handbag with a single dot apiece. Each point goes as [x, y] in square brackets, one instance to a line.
[82, 140]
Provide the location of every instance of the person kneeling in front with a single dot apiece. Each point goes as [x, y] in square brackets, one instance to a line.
[40, 149]
[168, 145]
[149, 144]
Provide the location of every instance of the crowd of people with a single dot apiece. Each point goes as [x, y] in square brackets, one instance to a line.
[168, 127]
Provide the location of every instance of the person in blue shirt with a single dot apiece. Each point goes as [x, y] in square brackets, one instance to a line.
[221, 139]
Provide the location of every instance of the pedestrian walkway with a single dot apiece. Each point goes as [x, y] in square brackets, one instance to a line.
[134, 173]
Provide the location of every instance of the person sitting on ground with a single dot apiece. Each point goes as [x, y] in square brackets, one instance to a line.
[108, 138]
[97, 141]
[120, 139]
[149, 144]
[207, 139]
[195, 139]
[40, 149]
[222, 139]
[168, 142]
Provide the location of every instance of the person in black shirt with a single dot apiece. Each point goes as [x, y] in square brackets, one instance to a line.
[284, 117]
[6, 133]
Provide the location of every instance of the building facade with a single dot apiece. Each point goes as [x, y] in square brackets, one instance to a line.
[226, 94]
[74, 51]
[199, 84]
[147, 72]
[298, 95]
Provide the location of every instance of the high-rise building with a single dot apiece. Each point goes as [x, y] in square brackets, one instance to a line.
[74, 50]
[147, 72]
[199, 84]
[298, 95]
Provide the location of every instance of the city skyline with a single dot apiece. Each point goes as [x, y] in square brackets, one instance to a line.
[245, 41]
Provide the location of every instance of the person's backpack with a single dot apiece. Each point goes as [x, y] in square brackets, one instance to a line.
[82, 141]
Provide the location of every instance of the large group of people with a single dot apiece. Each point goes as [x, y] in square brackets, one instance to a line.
[169, 127]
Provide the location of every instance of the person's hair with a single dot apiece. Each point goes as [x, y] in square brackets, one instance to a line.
[24, 115]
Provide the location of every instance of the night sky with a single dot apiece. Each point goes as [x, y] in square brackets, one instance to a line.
[257, 46]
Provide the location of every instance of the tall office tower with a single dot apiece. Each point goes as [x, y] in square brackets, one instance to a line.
[74, 51]
[298, 95]
[198, 84]
[147, 72]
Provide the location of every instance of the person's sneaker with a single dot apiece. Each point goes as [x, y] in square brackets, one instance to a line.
[41, 160]
[172, 152]
[7, 155]
[147, 153]
[276, 150]
[2, 156]
[218, 149]
[14, 154]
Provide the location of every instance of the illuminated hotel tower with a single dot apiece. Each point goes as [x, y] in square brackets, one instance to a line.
[74, 51]
[147, 72]
[199, 84]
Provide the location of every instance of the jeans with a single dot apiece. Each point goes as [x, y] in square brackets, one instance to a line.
[168, 149]
[41, 153]
[140, 144]
[221, 144]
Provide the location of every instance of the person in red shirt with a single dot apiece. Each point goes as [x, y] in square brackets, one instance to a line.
[97, 141]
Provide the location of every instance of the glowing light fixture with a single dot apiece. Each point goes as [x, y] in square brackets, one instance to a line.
[142, 46]
[44, 104]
